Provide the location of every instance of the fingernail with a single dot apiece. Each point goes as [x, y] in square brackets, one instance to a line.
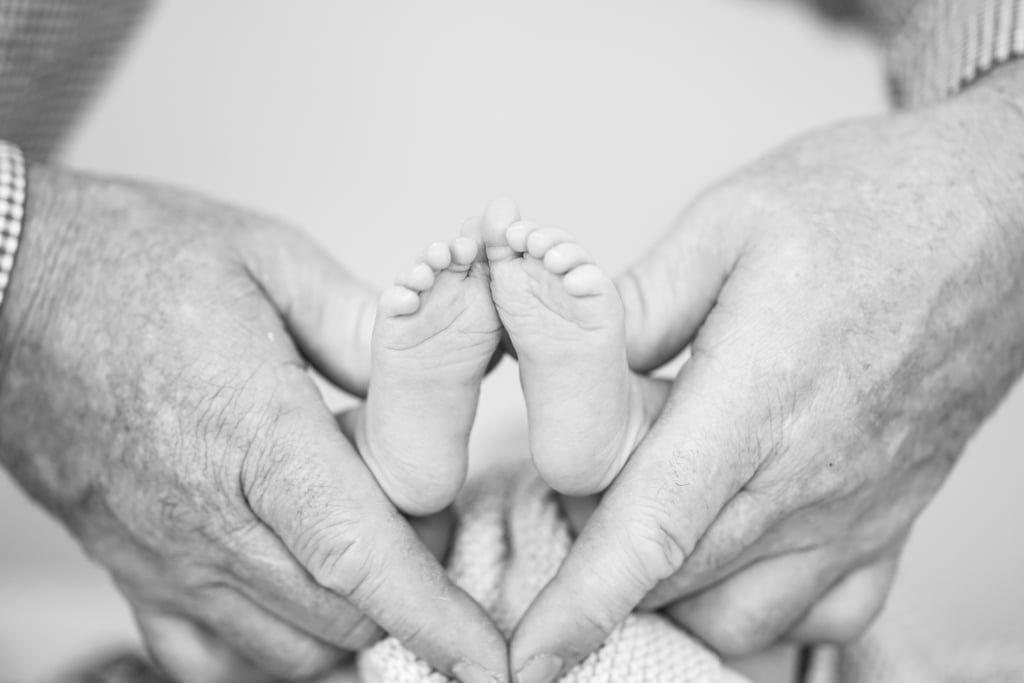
[468, 672]
[540, 669]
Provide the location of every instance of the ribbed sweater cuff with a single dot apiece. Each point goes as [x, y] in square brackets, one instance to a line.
[945, 45]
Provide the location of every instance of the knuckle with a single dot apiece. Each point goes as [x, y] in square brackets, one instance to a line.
[656, 546]
[593, 627]
[204, 583]
[722, 544]
[414, 632]
[341, 559]
[241, 545]
[360, 635]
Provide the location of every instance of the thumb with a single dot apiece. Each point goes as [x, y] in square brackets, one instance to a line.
[324, 505]
[669, 291]
[644, 529]
[328, 311]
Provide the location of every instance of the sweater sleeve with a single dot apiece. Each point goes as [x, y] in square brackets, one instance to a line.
[944, 46]
[53, 53]
[883, 18]
[935, 48]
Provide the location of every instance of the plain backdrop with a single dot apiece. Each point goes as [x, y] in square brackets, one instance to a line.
[378, 126]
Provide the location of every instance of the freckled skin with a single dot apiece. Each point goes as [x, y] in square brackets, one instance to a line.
[154, 399]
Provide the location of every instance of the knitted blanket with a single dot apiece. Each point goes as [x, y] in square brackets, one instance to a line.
[511, 540]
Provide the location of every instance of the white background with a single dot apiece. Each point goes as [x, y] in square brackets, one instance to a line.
[379, 126]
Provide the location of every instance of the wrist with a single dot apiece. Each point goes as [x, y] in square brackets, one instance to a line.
[1003, 85]
[12, 210]
[992, 118]
[47, 218]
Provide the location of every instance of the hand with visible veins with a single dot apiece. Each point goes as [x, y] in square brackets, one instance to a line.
[855, 305]
[154, 397]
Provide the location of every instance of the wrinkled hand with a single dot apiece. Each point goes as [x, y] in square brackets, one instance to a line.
[856, 308]
[152, 398]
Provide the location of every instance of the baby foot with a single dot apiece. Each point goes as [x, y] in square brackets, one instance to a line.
[435, 333]
[566, 322]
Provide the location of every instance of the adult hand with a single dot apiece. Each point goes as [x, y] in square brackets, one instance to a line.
[856, 307]
[154, 397]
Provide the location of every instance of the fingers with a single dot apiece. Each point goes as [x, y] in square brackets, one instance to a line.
[236, 635]
[670, 290]
[792, 596]
[849, 607]
[269, 577]
[270, 643]
[741, 534]
[189, 654]
[314, 609]
[328, 312]
[642, 532]
[755, 607]
[327, 509]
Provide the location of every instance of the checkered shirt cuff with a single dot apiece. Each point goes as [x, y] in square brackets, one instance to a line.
[12, 209]
[946, 45]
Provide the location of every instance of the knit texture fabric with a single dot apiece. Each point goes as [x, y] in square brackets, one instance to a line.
[944, 46]
[511, 539]
[52, 55]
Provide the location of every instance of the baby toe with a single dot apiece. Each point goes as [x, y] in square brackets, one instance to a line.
[464, 252]
[562, 258]
[500, 213]
[517, 234]
[437, 256]
[419, 278]
[398, 300]
[540, 241]
[586, 280]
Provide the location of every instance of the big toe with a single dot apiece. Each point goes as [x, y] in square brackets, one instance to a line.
[501, 213]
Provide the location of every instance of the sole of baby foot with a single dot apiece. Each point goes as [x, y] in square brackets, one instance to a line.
[565, 320]
[435, 334]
